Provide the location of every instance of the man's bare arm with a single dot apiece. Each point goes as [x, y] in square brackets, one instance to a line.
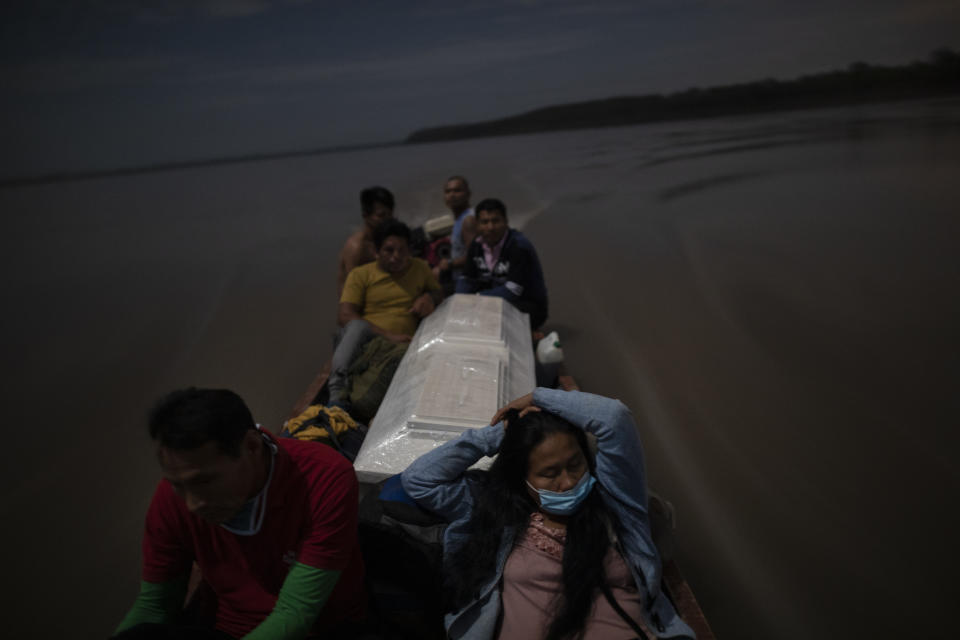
[352, 255]
[348, 311]
[425, 303]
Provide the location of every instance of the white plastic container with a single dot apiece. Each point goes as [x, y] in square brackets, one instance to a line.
[548, 349]
[439, 226]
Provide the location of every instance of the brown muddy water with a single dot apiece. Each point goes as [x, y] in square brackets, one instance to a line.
[775, 297]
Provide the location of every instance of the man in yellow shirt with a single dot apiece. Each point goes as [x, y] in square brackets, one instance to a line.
[387, 297]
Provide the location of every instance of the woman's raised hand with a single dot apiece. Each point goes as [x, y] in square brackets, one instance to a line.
[523, 404]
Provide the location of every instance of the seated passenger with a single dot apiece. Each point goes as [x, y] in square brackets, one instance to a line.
[502, 262]
[543, 544]
[456, 195]
[271, 523]
[387, 297]
[377, 206]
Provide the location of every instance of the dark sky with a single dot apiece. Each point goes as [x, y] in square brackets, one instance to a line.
[93, 84]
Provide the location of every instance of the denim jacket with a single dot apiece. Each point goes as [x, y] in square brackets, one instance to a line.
[436, 482]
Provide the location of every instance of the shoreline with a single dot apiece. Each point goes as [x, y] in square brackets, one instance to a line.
[858, 84]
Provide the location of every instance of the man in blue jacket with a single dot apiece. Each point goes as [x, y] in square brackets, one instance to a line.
[502, 262]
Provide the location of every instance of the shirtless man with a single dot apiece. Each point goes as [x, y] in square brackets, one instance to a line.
[377, 205]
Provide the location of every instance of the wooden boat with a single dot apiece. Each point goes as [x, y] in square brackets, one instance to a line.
[674, 584]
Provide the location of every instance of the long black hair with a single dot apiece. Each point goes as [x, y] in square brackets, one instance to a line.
[501, 501]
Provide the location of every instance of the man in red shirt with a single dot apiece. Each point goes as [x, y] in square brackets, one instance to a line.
[271, 523]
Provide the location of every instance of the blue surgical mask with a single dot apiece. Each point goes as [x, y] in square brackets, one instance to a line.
[249, 519]
[565, 502]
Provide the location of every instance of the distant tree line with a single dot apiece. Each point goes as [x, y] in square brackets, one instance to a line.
[858, 83]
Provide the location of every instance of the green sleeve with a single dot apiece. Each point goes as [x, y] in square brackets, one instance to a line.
[301, 599]
[156, 602]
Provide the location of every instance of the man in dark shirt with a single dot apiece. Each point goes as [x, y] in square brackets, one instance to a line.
[502, 262]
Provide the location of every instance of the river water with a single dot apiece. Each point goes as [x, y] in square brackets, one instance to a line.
[775, 297]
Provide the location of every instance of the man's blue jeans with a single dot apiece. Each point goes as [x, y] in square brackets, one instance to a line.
[350, 340]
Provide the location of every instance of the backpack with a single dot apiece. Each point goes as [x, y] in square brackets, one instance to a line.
[370, 375]
[330, 425]
[402, 546]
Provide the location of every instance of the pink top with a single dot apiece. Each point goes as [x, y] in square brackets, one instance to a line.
[492, 254]
[532, 579]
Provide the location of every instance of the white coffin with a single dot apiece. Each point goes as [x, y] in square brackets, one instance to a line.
[468, 358]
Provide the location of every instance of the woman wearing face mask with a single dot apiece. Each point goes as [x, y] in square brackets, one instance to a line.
[551, 542]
